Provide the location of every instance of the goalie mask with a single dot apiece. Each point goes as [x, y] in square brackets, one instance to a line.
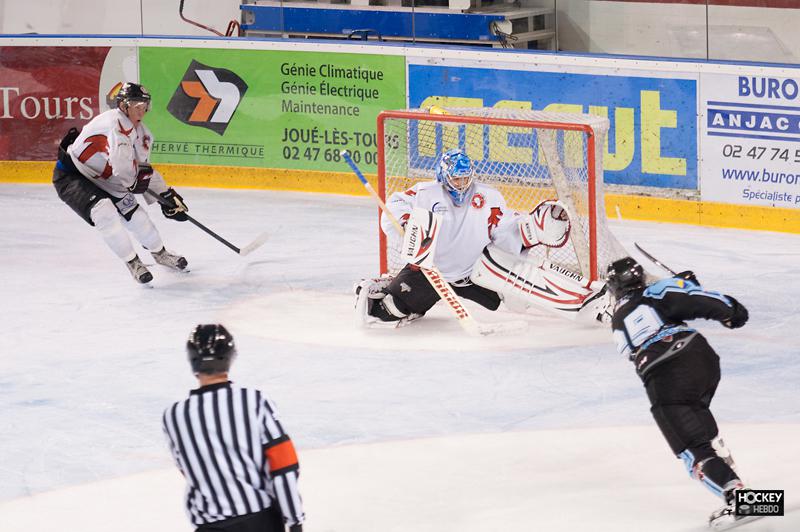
[210, 349]
[624, 276]
[456, 174]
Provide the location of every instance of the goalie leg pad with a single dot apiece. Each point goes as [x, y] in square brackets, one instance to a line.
[524, 284]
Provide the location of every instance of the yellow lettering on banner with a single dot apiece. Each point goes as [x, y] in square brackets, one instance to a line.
[499, 147]
[624, 136]
[653, 119]
[573, 140]
[473, 134]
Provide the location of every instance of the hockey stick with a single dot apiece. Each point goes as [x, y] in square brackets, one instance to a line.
[249, 248]
[655, 260]
[434, 276]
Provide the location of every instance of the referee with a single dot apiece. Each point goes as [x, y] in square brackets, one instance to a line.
[240, 466]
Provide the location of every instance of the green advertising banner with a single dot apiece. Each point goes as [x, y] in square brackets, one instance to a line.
[270, 109]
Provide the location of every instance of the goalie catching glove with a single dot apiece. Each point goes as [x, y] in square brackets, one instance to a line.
[173, 206]
[548, 224]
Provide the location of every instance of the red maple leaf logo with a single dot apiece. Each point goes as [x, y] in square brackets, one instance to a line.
[96, 144]
[494, 219]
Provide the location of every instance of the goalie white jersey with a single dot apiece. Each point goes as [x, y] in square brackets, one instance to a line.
[110, 148]
[482, 219]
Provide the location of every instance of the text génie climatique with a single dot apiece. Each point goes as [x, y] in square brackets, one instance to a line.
[327, 80]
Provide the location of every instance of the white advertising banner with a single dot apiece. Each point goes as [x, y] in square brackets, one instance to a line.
[750, 140]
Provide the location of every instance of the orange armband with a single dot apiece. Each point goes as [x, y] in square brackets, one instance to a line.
[281, 456]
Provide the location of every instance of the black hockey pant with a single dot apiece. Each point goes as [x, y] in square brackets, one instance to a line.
[412, 292]
[680, 392]
[269, 520]
[77, 192]
[81, 194]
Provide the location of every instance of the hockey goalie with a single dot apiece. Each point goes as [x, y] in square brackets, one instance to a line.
[464, 228]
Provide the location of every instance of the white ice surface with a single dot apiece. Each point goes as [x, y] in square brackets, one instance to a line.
[420, 428]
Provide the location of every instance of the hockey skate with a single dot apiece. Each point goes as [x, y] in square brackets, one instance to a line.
[165, 258]
[139, 271]
[725, 518]
[370, 309]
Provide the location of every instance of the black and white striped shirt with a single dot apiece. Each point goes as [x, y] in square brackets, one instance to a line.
[236, 458]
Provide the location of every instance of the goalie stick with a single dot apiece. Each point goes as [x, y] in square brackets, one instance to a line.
[249, 248]
[434, 276]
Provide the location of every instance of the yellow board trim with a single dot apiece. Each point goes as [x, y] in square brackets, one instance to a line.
[629, 207]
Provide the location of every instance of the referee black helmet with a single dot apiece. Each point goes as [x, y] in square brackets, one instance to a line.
[211, 349]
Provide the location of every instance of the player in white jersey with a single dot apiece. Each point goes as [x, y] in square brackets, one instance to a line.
[472, 217]
[101, 170]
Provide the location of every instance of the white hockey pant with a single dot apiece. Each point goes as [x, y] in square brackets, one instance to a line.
[144, 230]
[526, 284]
[108, 222]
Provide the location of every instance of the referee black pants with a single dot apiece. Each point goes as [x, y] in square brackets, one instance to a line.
[269, 520]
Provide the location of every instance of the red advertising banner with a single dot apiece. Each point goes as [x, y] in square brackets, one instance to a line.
[44, 91]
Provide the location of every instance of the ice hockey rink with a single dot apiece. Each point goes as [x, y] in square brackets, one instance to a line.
[420, 428]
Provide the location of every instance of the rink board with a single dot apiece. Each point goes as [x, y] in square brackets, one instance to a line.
[699, 142]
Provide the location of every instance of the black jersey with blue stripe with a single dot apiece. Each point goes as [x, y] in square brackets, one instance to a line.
[649, 324]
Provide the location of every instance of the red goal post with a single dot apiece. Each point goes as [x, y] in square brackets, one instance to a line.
[529, 156]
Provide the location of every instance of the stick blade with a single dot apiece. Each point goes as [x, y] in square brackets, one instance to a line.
[254, 245]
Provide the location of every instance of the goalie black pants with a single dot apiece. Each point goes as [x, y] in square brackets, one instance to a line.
[268, 520]
[680, 392]
[414, 294]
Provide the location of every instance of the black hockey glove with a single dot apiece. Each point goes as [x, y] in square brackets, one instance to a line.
[142, 179]
[740, 315]
[296, 528]
[173, 207]
[688, 275]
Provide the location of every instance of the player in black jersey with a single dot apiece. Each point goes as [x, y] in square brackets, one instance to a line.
[679, 368]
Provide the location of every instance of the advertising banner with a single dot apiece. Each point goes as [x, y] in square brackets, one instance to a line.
[653, 136]
[46, 90]
[265, 108]
[751, 140]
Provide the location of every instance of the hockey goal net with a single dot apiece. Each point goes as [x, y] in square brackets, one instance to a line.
[529, 156]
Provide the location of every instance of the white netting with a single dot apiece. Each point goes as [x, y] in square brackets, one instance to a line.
[529, 156]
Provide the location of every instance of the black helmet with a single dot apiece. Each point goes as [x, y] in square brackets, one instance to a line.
[624, 275]
[130, 92]
[210, 349]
